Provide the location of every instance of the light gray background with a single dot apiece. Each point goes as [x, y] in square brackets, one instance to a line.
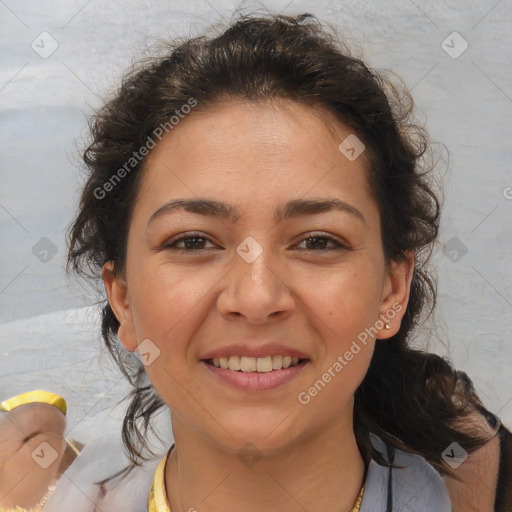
[50, 340]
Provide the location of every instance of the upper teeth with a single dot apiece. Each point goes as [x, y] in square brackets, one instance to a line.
[255, 364]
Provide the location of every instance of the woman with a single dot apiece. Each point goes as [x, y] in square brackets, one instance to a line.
[259, 206]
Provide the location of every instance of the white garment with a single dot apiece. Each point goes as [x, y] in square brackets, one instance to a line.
[77, 490]
[416, 488]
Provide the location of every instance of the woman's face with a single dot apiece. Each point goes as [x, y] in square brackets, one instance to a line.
[278, 254]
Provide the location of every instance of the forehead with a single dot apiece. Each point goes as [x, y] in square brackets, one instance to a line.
[254, 149]
[268, 126]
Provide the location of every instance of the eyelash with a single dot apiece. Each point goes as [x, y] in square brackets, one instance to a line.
[172, 245]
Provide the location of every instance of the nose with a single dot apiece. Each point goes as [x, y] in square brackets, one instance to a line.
[256, 291]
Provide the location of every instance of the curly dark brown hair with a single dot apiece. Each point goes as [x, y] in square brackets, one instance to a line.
[406, 395]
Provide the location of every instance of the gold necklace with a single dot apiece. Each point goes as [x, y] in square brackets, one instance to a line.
[157, 499]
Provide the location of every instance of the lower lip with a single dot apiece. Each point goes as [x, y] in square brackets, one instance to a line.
[254, 381]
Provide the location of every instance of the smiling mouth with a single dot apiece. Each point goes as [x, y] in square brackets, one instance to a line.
[255, 364]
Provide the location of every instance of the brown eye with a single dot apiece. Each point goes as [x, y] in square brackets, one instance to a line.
[321, 243]
[189, 243]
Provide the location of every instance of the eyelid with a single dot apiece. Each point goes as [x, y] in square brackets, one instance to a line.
[340, 243]
[169, 243]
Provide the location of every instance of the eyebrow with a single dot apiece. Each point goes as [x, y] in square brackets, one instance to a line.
[222, 210]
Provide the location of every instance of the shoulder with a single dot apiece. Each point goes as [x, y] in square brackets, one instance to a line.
[415, 487]
[80, 488]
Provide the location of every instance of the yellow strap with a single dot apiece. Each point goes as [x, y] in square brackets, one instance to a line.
[157, 499]
[32, 397]
[357, 504]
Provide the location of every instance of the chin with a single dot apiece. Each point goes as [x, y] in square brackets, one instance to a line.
[266, 433]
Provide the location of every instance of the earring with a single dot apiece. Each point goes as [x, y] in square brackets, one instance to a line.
[387, 326]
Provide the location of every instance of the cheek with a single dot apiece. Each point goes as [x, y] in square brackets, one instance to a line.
[168, 308]
[162, 300]
[338, 380]
[346, 309]
[346, 299]
[343, 363]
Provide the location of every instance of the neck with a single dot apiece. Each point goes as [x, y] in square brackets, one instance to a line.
[320, 472]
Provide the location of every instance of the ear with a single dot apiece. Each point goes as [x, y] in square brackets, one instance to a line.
[395, 295]
[117, 292]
